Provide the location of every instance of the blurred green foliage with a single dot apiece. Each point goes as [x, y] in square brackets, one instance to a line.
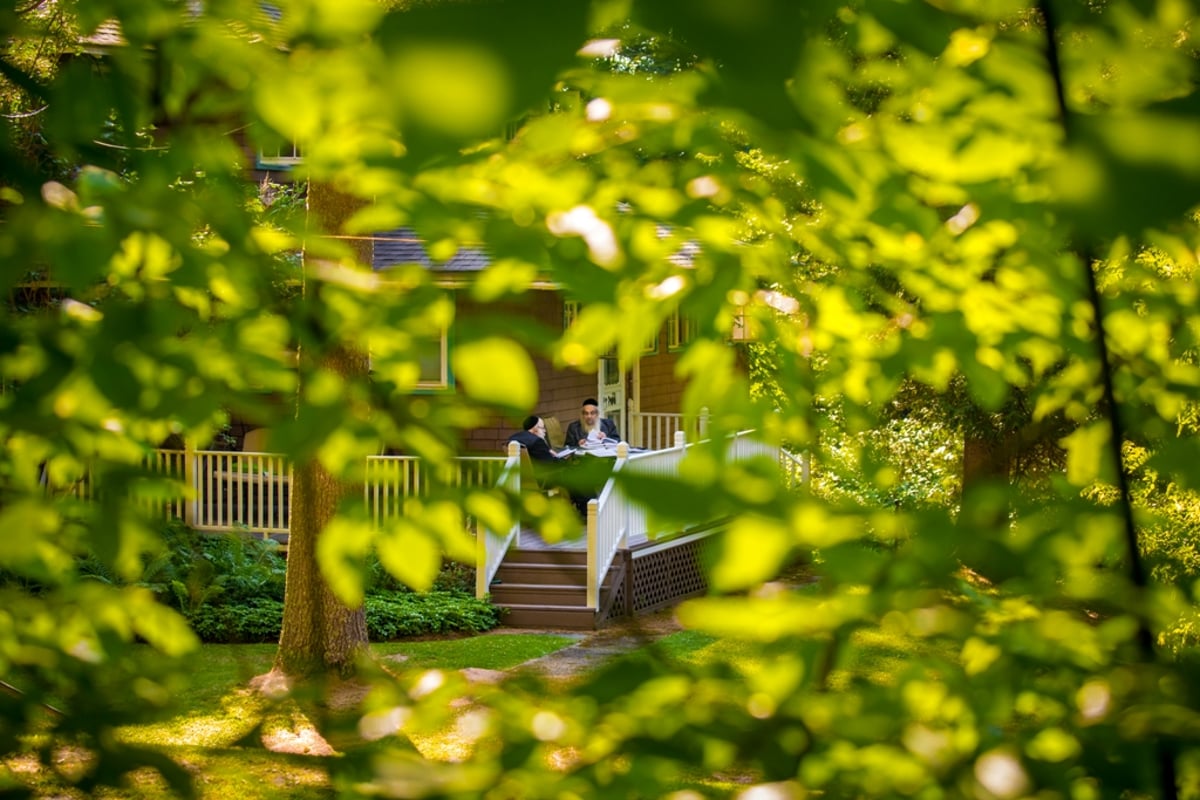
[909, 202]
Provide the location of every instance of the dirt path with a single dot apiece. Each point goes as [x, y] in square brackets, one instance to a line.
[598, 646]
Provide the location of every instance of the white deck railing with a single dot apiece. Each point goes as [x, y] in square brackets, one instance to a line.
[656, 431]
[796, 468]
[607, 529]
[491, 546]
[239, 491]
[391, 479]
[219, 490]
[612, 519]
[222, 490]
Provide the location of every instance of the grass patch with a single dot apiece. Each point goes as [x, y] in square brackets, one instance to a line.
[211, 735]
[221, 668]
[494, 651]
[701, 649]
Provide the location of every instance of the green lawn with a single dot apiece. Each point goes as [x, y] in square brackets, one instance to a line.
[215, 733]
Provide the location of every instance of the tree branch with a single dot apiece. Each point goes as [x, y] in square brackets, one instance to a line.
[1145, 638]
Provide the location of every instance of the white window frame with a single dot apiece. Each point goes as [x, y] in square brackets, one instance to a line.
[444, 381]
[287, 155]
[680, 330]
[650, 346]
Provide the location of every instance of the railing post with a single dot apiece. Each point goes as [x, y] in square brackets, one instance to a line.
[680, 439]
[190, 480]
[593, 555]
[515, 452]
[481, 562]
[702, 423]
[622, 458]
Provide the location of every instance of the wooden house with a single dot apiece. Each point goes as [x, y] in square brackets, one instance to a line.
[643, 397]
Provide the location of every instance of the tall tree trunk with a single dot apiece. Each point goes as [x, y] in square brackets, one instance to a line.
[320, 634]
[985, 458]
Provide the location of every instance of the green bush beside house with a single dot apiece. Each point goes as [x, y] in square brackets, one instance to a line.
[230, 589]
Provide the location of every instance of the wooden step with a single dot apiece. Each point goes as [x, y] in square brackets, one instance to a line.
[567, 617]
[509, 594]
[564, 557]
[545, 574]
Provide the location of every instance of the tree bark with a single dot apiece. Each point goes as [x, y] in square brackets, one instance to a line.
[984, 459]
[320, 636]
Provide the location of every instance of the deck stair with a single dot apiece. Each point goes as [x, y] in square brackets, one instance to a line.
[546, 589]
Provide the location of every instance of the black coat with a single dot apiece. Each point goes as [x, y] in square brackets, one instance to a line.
[575, 432]
[539, 449]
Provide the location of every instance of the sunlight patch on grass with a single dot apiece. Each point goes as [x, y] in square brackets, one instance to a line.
[220, 711]
[217, 734]
[879, 657]
[701, 649]
[491, 651]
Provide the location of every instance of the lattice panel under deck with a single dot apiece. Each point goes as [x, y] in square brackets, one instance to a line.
[660, 579]
[667, 576]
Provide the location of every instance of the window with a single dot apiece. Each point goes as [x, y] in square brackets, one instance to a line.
[432, 357]
[285, 155]
[680, 330]
[650, 346]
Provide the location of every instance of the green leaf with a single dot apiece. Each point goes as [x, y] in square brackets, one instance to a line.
[1087, 450]
[1125, 173]
[342, 549]
[750, 552]
[496, 370]
[410, 554]
[462, 70]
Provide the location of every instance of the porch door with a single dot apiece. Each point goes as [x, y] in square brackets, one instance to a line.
[611, 392]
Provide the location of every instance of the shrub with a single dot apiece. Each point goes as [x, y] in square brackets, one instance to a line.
[411, 614]
[230, 588]
[388, 617]
[453, 577]
[194, 569]
[255, 620]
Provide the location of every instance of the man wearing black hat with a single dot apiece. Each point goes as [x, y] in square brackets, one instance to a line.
[532, 437]
[590, 422]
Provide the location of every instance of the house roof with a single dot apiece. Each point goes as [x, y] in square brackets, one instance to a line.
[404, 246]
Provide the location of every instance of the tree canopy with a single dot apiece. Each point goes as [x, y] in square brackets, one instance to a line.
[985, 201]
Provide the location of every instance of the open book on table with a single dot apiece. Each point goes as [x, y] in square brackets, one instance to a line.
[599, 445]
